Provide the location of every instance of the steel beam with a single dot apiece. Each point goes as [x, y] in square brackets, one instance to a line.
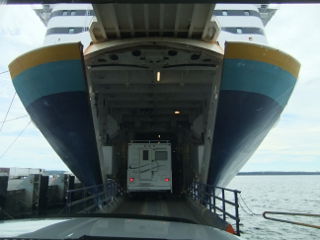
[176, 24]
[193, 19]
[161, 18]
[146, 18]
[179, 96]
[142, 88]
[130, 19]
[99, 21]
[114, 20]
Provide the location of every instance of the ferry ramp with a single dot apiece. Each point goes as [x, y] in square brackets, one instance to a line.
[200, 204]
[158, 206]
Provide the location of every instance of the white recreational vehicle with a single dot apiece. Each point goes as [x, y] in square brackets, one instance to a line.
[149, 166]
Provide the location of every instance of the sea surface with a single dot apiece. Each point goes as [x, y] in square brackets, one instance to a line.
[296, 193]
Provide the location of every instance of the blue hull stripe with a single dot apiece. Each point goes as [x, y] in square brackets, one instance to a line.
[50, 78]
[258, 77]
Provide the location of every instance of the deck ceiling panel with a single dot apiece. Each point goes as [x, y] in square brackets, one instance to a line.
[178, 96]
[138, 19]
[168, 78]
[169, 16]
[142, 20]
[154, 17]
[125, 18]
[144, 88]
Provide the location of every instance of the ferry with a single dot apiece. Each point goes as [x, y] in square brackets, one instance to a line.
[199, 76]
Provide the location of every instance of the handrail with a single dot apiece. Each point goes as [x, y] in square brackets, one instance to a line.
[95, 195]
[226, 189]
[88, 187]
[227, 201]
[84, 199]
[84, 188]
[291, 214]
[206, 195]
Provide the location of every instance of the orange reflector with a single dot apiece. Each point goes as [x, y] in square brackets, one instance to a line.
[230, 229]
[167, 179]
[131, 179]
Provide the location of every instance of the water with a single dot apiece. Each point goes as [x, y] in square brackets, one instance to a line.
[278, 193]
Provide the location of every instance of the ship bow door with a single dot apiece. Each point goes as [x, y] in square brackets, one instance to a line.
[52, 86]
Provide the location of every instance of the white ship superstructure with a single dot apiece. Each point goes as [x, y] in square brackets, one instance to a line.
[242, 22]
[67, 23]
[237, 22]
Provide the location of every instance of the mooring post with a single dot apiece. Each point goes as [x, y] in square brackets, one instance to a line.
[43, 195]
[3, 192]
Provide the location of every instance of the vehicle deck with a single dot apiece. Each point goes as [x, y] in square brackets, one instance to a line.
[168, 207]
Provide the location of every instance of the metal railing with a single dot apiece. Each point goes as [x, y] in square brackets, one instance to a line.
[88, 199]
[208, 196]
[292, 214]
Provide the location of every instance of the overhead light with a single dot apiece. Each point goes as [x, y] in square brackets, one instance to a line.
[158, 76]
[177, 112]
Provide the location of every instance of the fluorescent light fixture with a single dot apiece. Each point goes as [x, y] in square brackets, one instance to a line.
[177, 112]
[158, 76]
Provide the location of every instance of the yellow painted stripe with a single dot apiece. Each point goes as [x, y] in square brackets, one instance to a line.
[249, 51]
[70, 51]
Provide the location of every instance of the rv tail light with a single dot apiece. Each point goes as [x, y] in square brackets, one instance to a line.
[167, 179]
[131, 179]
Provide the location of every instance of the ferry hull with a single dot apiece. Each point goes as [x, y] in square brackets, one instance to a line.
[52, 86]
[243, 121]
[256, 85]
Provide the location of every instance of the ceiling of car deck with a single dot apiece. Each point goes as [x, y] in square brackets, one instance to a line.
[126, 85]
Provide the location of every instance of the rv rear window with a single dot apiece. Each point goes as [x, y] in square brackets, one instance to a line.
[161, 155]
[145, 155]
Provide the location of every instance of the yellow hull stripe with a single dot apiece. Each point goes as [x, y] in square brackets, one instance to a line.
[249, 51]
[70, 51]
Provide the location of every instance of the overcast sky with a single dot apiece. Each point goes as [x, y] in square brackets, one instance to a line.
[20, 31]
[292, 145]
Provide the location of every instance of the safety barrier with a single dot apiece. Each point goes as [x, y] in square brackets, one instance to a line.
[208, 196]
[88, 199]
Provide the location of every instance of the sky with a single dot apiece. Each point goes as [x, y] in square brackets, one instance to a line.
[21, 31]
[292, 145]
